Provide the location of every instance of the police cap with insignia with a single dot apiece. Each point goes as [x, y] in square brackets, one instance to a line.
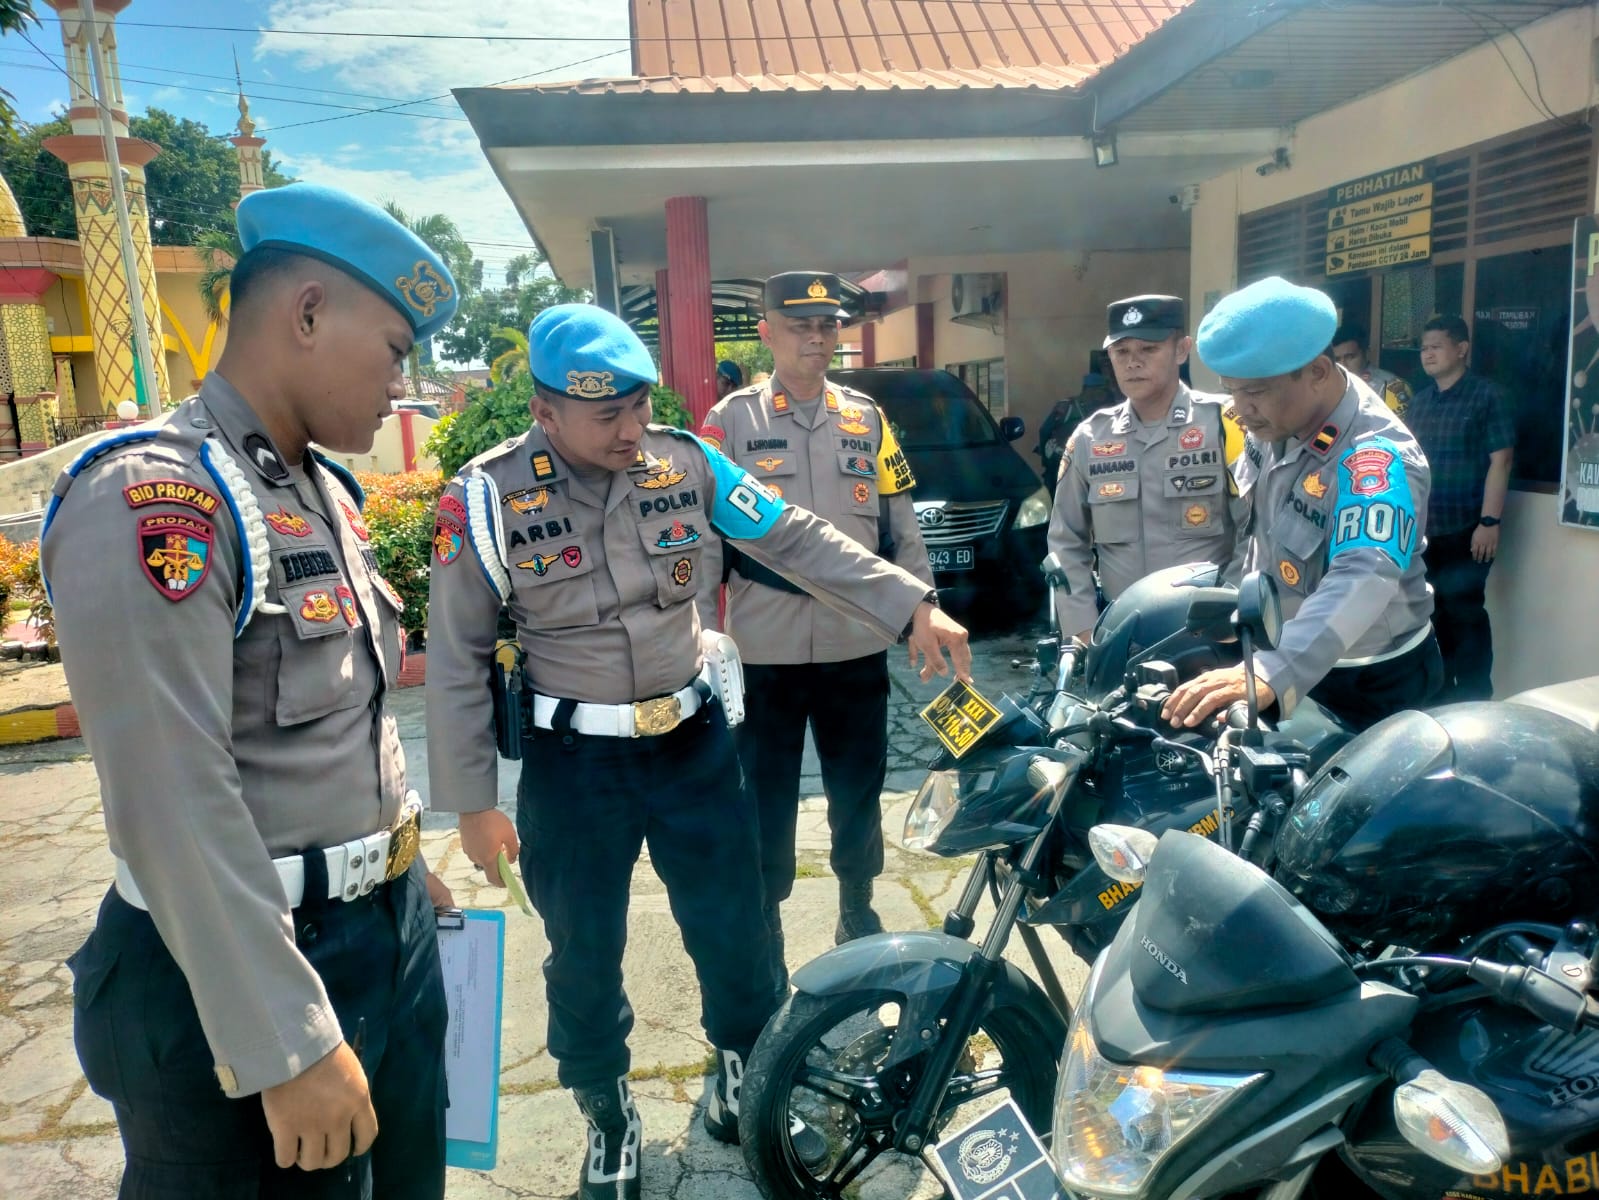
[805, 294]
[358, 238]
[584, 351]
[1266, 329]
[1148, 318]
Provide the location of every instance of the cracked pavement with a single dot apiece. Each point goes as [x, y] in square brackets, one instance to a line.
[58, 1140]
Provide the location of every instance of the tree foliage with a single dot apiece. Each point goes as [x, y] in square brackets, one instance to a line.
[476, 334]
[751, 357]
[15, 16]
[191, 185]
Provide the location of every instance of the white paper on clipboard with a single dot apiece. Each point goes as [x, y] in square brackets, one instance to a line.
[472, 955]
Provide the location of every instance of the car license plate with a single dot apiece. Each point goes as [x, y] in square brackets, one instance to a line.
[960, 717]
[997, 1157]
[951, 558]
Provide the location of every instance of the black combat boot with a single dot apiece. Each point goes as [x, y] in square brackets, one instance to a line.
[856, 918]
[721, 1113]
[616, 1137]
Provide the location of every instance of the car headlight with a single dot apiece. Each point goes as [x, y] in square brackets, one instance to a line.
[1034, 510]
[1115, 1122]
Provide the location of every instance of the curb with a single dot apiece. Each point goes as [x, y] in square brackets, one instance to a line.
[49, 723]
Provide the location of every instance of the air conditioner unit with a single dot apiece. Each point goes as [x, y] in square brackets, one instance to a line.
[977, 299]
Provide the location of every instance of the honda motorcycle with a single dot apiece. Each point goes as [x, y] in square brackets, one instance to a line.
[889, 1039]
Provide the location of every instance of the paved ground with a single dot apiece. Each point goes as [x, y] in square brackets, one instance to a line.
[57, 1140]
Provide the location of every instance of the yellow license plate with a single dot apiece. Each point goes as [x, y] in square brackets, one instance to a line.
[960, 717]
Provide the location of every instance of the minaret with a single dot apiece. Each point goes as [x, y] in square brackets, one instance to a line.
[104, 279]
[251, 177]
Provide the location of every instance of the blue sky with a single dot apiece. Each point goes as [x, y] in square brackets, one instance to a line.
[428, 161]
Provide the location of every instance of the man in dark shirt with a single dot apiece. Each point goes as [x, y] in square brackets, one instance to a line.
[1464, 425]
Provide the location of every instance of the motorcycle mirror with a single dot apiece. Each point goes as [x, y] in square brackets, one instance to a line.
[1054, 572]
[1452, 1122]
[1210, 612]
[1260, 609]
[1122, 851]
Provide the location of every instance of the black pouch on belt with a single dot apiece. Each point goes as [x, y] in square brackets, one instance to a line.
[508, 687]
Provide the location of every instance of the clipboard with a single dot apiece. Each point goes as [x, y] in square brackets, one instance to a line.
[472, 955]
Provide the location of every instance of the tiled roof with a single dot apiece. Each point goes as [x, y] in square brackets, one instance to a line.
[835, 81]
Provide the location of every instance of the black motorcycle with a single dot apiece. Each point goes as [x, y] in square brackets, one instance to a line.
[888, 1040]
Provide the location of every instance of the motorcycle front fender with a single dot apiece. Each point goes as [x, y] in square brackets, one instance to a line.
[923, 969]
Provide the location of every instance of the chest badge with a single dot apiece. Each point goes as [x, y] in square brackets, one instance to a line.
[528, 500]
[682, 572]
[356, 523]
[292, 524]
[1196, 514]
[1288, 573]
[1109, 449]
[850, 420]
[540, 564]
[660, 475]
[318, 606]
[1111, 491]
[1191, 438]
[347, 605]
[1314, 487]
[677, 534]
[769, 464]
[862, 493]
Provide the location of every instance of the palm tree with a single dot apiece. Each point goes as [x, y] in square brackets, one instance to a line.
[443, 237]
[512, 362]
[219, 249]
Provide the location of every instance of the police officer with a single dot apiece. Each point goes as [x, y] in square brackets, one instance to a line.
[260, 998]
[828, 448]
[594, 529]
[1335, 492]
[1143, 485]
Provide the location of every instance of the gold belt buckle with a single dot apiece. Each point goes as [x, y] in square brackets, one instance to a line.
[652, 717]
[405, 839]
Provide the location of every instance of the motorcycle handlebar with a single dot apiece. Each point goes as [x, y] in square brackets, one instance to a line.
[1551, 1000]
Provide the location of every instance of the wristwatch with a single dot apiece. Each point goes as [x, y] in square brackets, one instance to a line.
[1488, 522]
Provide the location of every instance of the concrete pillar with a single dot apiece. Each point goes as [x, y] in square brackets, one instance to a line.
[869, 344]
[688, 261]
[924, 335]
[663, 326]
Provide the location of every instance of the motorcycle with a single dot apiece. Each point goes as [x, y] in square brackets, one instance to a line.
[887, 1040]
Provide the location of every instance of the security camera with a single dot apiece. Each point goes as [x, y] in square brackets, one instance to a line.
[1279, 161]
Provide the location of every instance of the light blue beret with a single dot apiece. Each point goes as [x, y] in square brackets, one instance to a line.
[584, 351]
[361, 240]
[1268, 328]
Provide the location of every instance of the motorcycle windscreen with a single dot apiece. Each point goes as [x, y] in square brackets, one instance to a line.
[1213, 933]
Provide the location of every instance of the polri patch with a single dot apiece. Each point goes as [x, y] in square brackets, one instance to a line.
[857, 464]
[347, 607]
[677, 534]
[175, 552]
[285, 522]
[171, 491]
[1191, 438]
[448, 538]
[453, 506]
[318, 606]
[682, 572]
[527, 500]
[1368, 470]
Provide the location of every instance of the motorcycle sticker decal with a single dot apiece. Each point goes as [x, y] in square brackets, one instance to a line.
[996, 1157]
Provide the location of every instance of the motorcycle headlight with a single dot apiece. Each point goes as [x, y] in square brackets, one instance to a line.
[1115, 1122]
[1034, 510]
[938, 802]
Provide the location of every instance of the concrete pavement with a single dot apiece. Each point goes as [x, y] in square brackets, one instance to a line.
[58, 1141]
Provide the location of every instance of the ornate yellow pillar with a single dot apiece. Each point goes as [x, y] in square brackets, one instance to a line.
[27, 370]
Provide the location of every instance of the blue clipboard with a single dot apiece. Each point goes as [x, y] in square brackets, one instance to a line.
[472, 955]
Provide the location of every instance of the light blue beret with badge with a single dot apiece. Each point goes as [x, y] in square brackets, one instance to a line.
[583, 351]
[358, 238]
[1268, 328]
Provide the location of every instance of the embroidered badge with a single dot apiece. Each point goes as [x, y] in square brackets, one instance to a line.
[1324, 440]
[1109, 449]
[1288, 573]
[318, 606]
[448, 538]
[425, 289]
[540, 564]
[862, 493]
[1314, 486]
[1368, 470]
[289, 523]
[176, 553]
[779, 402]
[347, 607]
[774, 489]
[1110, 491]
[260, 452]
[1196, 514]
[356, 523]
[682, 572]
[453, 506]
[527, 500]
[817, 290]
[1192, 438]
[678, 534]
[713, 436]
[857, 464]
[1133, 316]
[661, 476]
[543, 466]
[849, 420]
[1192, 483]
[171, 491]
[388, 590]
[590, 385]
[769, 464]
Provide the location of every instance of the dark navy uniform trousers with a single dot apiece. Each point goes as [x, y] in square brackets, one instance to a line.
[846, 705]
[141, 1046]
[585, 806]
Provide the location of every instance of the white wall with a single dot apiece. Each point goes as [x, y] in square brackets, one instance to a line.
[1539, 594]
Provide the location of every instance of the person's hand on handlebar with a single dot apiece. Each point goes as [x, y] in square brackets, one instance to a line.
[1211, 692]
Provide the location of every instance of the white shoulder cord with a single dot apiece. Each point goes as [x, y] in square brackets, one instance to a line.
[252, 530]
[485, 525]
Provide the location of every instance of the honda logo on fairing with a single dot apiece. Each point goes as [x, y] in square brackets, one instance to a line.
[1159, 955]
[930, 518]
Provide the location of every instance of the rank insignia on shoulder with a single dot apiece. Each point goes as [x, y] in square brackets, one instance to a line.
[661, 475]
[175, 552]
[1324, 440]
[357, 525]
[292, 524]
[527, 500]
[1314, 487]
[682, 572]
[448, 538]
[318, 606]
[543, 466]
[677, 534]
[171, 491]
[832, 401]
[1191, 438]
[779, 402]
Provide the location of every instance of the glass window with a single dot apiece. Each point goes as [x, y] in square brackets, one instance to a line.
[986, 378]
[929, 410]
[1410, 297]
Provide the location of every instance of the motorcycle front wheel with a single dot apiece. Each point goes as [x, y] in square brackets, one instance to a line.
[823, 1059]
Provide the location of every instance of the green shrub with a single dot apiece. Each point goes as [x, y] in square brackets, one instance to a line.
[400, 511]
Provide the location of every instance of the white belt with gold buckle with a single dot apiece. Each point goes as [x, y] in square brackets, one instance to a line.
[643, 718]
[355, 868]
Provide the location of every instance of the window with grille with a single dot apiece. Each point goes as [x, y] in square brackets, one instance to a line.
[986, 378]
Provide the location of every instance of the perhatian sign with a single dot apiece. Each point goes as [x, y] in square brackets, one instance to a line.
[1380, 220]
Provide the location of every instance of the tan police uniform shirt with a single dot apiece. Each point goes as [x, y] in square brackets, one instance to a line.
[215, 752]
[836, 456]
[602, 573]
[1140, 498]
[1339, 521]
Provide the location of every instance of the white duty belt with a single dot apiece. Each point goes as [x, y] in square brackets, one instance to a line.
[721, 676]
[354, 868]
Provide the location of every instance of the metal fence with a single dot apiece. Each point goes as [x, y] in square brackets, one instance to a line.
[67, 428]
